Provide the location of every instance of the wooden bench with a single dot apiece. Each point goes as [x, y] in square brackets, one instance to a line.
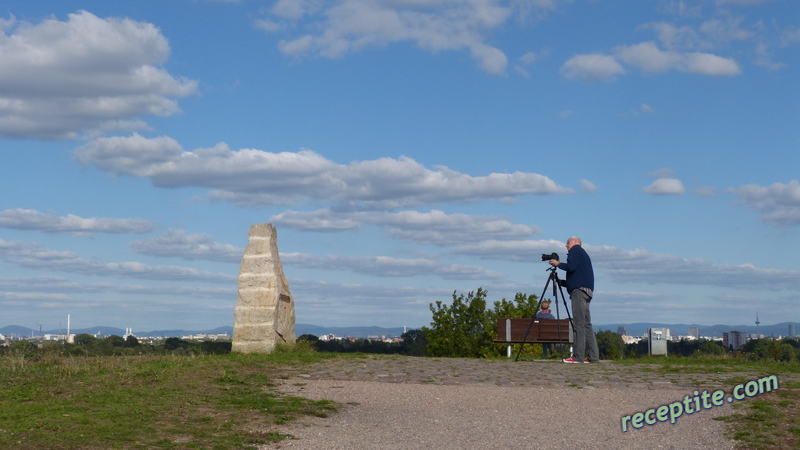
[542, 331]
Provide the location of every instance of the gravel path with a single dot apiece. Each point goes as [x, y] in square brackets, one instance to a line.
[421, 403]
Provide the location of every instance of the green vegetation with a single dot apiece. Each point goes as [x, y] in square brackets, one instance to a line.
[610, 345]
[88, 345]
[414, 343]
[465, 328]
[760, 421]
[52, 399]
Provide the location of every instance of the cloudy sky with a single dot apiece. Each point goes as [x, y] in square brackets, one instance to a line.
[404, 149]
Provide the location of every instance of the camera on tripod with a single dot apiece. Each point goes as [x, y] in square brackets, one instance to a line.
[546, 257]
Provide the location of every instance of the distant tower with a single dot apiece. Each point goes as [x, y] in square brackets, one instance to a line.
[792, 330]
[758, 333]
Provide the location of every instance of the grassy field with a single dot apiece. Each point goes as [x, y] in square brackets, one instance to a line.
[112, 402]
[230, 401]
[768, 421]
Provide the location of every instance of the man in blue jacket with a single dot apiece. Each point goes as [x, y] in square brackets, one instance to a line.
[580, 285]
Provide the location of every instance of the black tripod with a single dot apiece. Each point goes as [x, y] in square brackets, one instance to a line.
[552, 278]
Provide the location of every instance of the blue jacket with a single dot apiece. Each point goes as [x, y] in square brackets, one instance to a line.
[579, 269]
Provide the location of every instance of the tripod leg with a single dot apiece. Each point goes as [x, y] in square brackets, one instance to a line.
[566, 308]
[544, 291]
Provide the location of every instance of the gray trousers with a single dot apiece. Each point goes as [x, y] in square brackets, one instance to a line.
[584, 334]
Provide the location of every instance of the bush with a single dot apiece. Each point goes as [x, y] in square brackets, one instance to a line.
[415, 343]
[610, 345]
[710, 348]
[465, 328]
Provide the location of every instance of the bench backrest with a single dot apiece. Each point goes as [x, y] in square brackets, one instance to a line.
[542, 331]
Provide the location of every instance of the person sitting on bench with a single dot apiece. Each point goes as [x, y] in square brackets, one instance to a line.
[544, 313]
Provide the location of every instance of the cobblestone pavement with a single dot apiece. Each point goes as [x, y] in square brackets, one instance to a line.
[400, 402]
[540, 372]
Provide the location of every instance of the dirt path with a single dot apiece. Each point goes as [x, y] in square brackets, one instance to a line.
[421, 403]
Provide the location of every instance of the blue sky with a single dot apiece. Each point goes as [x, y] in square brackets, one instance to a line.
[404, 149]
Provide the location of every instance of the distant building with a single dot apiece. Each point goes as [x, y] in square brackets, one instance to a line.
[630, 339]
[734, 340]
[694, 332]
[792, 330]
[622, 331]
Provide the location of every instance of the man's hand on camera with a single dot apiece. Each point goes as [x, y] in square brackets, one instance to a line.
[554, 262]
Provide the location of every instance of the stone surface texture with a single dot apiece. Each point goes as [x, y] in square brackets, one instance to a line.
[264, 316]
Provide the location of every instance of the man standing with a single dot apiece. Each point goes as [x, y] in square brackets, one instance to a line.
[580, 285]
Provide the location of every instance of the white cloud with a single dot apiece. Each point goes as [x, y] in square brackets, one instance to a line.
[327, 302]
[588, 186]
[333, 29]
[675, 38]
[641, 266]
[257, 178]
[764, 58]
[523, 62]
[790, 36]
[685, 49]
[61, 79]
[710, 65]
[528, 58]
[727, 29]
[711, 34]
[645, 108]
[386, 266]
[681, 8]
[674, 270]
[323, 220]
[594, 67]
[27, 219]
[295, 9]
[649, 58]
[665, 186]
[434, 227]
[176, 243]
[37, 256]
[510, 250]
[59, 286]
[778, 203]
[741, 2]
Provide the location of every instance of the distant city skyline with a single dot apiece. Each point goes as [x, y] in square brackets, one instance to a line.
[634, 329]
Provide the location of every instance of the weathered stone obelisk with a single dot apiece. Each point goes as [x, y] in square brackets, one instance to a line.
[264, 314]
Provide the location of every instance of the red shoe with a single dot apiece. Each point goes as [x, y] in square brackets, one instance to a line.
[586, 361]
[570, 361]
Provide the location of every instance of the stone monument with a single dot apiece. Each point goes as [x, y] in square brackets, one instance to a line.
[264, 314]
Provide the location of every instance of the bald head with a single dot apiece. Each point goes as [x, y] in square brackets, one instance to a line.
[573, 241]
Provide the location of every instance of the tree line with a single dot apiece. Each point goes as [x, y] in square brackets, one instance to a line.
[87, 345]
